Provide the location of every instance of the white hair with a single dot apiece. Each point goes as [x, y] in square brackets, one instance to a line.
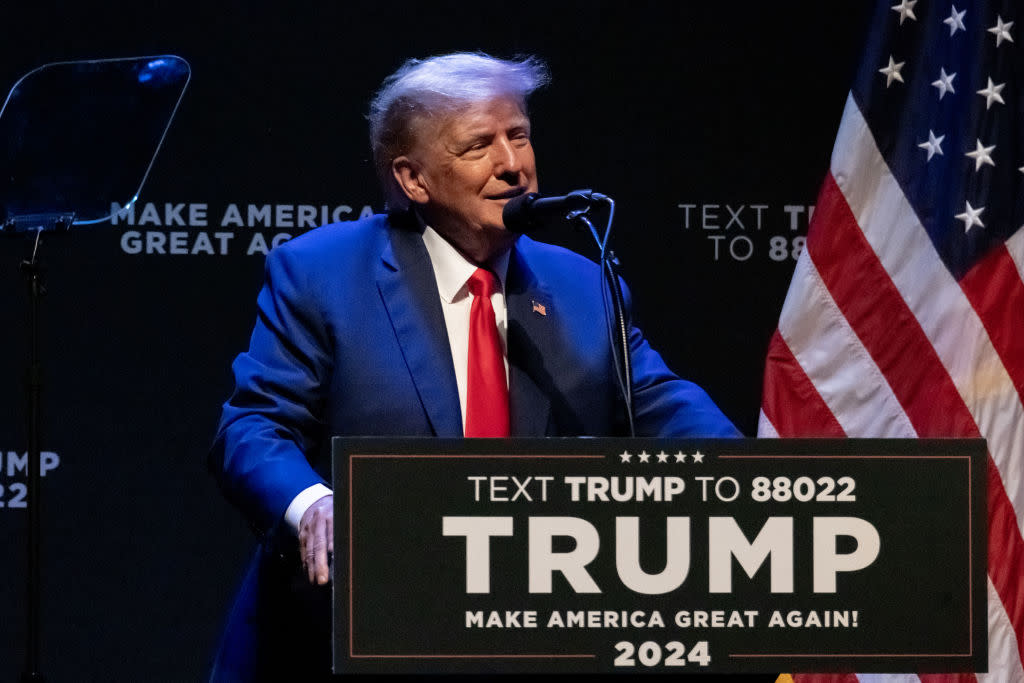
[438, 86]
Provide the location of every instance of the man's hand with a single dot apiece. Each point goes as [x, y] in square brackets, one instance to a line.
[316, 539]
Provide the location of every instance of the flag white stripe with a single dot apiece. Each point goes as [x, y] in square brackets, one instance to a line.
[1003, 656]
[933, 296]
[832, 356]
[765, 428]
[888, 678]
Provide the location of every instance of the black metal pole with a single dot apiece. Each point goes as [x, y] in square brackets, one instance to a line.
[615, 319]
[621, 325]
[33, 273]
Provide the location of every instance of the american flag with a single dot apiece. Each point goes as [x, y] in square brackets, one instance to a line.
[905, 316]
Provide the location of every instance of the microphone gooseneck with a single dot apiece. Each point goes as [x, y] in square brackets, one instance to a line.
[531, 211]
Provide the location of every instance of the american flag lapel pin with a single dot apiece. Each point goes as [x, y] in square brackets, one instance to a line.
[538, 307]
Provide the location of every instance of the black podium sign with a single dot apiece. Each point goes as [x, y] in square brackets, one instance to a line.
[669, 556]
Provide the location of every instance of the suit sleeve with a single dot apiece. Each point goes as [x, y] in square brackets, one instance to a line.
[274, 421]
[665, 405]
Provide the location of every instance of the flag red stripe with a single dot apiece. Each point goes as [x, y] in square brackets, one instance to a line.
[888, 329]
[824, 678]
[1006, 554]
[996, 292]
[791, 401]
[947, 678]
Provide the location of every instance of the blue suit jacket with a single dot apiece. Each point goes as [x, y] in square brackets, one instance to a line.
[350, 339]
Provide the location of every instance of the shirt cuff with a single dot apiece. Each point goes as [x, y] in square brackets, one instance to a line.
[302, 502]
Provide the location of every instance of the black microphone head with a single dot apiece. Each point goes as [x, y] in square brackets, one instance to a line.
[518, 217]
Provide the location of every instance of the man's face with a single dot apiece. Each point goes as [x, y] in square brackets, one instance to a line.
[465, 169]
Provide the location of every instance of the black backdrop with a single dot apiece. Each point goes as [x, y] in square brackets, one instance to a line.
[729, 110]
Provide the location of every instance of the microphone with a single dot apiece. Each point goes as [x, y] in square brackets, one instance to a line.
[528, 212]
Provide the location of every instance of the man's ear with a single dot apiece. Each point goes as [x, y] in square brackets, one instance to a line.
[407, 175]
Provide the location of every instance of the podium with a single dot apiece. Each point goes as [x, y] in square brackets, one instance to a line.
[642, 555]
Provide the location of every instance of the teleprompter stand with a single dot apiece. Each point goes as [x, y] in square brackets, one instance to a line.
[75, 139]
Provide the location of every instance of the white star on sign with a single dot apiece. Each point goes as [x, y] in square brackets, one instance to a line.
[945, 83]
[698, 457]
[1001, 31]
[982, 155]
[625, 455]
[681, 457]
[970, 216]
[644, 456]
[934, 145]
[955, 21]
[991, 92]
[892, 72]
[906, 9]
[663, 457]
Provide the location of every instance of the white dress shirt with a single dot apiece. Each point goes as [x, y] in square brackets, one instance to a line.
[451, 271]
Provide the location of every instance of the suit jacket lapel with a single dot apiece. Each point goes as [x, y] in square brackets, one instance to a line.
[530, 333]
[409, 291]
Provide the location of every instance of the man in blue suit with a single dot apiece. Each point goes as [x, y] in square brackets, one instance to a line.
[368, 328]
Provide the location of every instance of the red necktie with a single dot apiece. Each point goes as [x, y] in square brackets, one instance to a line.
[486, 387]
